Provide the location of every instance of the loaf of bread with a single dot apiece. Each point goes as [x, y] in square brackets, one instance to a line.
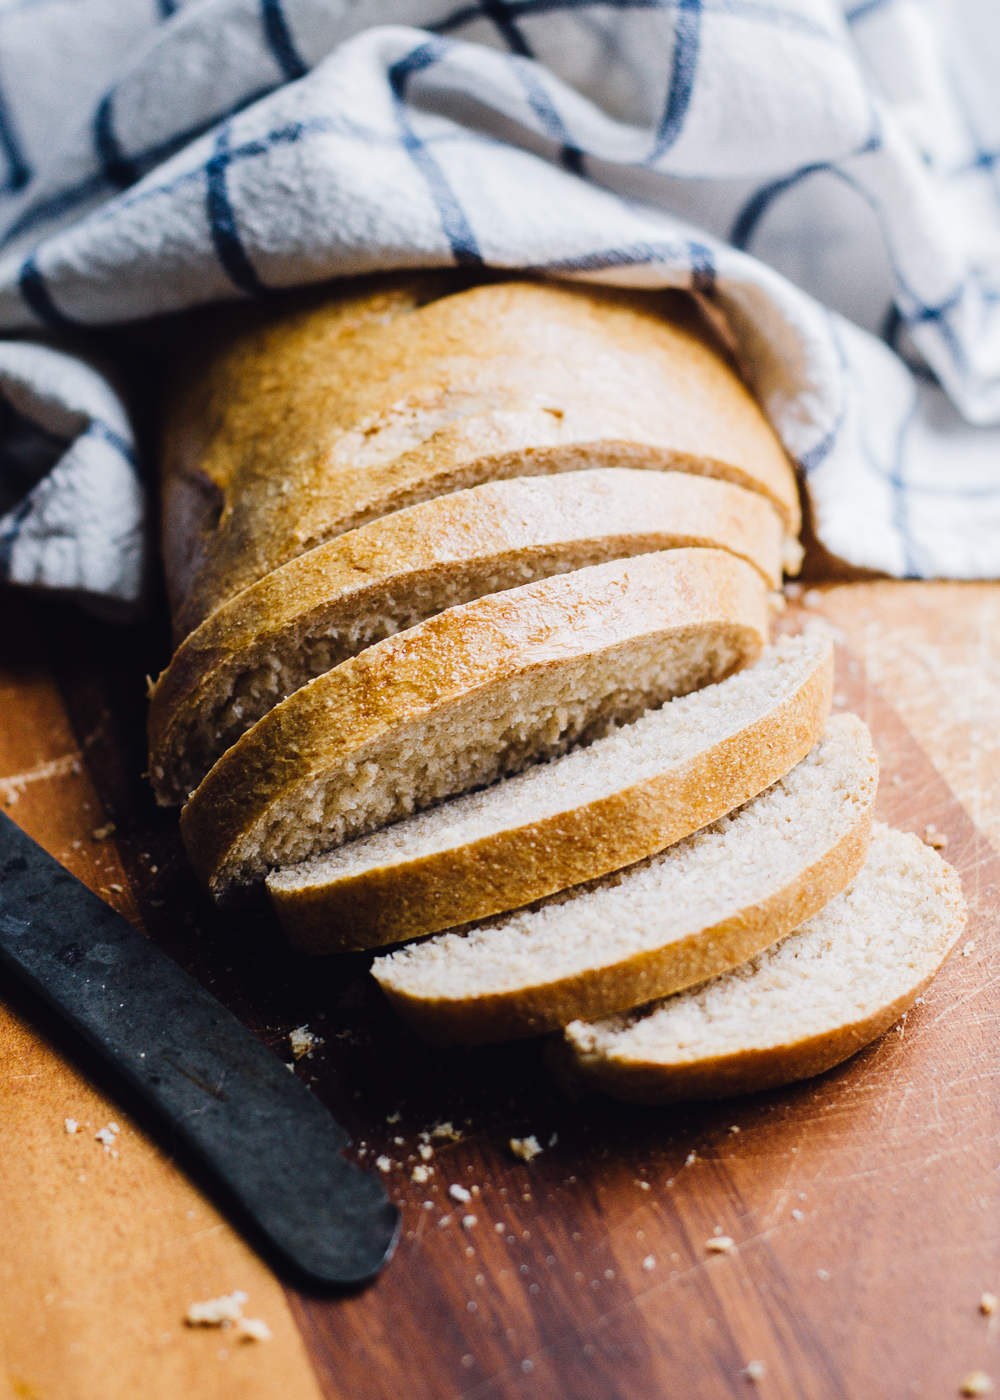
[476, 692]
[289, 430]
[798, 1008]
[594, 810]
[698, 908]
[330, 603]
[469, 548]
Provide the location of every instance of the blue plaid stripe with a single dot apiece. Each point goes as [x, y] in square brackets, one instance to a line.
[817, 455]
[463, 243]
[687, 39]
[222, 221]
[747, 220]
[703, 272]
[500, 12]
[279, 40]
[37, 295]
[99, 429]
[10, 532]
[698, 258]
[18, 170]
[900, 496]
[116, 168]
[570, 155]
[859, 12]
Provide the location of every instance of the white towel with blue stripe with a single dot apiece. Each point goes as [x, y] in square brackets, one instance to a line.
[828, 176]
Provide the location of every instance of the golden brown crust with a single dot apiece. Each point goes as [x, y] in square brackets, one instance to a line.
[290, 434]
[867, 959]
[354, 724]
[637, 979]
[406, 900]
[328, 604]
[724, 1076]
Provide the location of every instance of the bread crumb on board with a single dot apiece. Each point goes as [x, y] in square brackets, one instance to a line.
[754, 1370]
[214, 1312]
[71, 1125]
[107, 1136]
[253, 1329]
[932, 837]
[459, 1193]
[525, 1148]
[445, 1130]
[303, 1041]
[226, 1312]
[988, 1304]
[720, 1244]
[977, 1383]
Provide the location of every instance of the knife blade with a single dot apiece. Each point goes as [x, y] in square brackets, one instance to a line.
[257, 1130]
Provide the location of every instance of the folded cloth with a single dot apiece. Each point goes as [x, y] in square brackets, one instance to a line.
[73, 503]
[827, 179]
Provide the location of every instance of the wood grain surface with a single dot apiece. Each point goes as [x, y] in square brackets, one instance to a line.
[100, 1255]
[863, 1204]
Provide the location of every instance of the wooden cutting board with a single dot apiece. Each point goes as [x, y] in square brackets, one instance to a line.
[864, 1205]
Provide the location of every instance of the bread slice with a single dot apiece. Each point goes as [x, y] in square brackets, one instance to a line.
[796, 1009]
[282, 435]
[478, 691]
[590, 812]
[692, 911]
[329, 604]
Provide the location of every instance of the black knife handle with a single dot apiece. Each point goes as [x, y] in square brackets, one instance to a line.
[260, 1133]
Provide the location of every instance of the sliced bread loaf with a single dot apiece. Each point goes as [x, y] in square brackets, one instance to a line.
[478, 691]
[796, 1009]
[330, 603]
[282, 435]
[558, 824]
[703, 905]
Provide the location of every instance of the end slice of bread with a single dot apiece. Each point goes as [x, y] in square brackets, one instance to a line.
[692, 911]
[402, 388]
[798, 1008]
[478, 691]
[561, 823]
[329, 604]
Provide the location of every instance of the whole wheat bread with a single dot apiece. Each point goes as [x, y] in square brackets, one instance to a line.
[329, 604]
[286, 428]
[694, 910]
[478, 691]
[592, 811]
[796, 1009]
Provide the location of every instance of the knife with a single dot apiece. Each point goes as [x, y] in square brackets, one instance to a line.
[259, 1132]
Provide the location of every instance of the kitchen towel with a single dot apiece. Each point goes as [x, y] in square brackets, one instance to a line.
[827, 177]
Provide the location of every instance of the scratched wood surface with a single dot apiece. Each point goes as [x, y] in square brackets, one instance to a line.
[865, 1205]
[99, 1254]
